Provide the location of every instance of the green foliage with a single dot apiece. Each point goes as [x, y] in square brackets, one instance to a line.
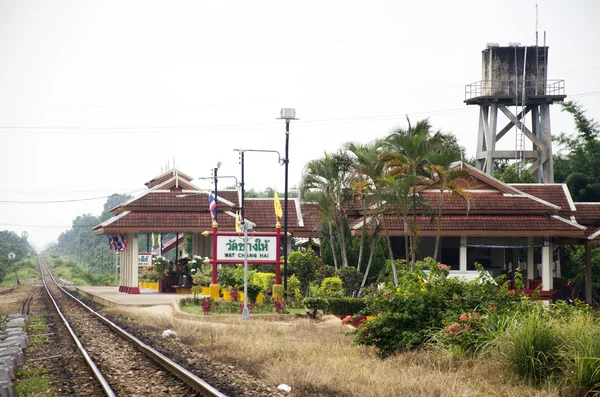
[304, 266]
[330, 287]
[226, 277]
[253, 290]
[345, 306]
[161, 264]
[293, 287]
[582, 353]
[202, 276]
[266, 281]
[579, 165]
[351, 279]
[10, 242]
[514, 172]
[313, 305]
[423, 304]
[531, 345]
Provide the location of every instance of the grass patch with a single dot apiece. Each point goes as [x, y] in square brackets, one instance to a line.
[297, 350]
[33, 382]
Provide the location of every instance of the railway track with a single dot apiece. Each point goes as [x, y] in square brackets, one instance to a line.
[121, 364]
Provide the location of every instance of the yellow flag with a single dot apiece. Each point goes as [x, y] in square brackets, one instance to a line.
[278, 211]
[152, 240]
[237, 222]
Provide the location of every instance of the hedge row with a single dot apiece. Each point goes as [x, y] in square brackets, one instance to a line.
[336, 306]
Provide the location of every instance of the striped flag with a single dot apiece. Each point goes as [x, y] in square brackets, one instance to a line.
[212, 205]
[277, 204]
[238, 222]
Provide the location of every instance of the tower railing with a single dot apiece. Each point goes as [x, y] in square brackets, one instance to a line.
[514, 89]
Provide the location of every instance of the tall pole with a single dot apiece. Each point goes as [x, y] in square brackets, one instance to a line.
[245, 310]
[215, 170]
[242, 184]
[285, 210]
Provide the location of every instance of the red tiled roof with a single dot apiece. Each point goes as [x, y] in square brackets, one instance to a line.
[165, 177]
[589, 212]
[490, 225]
[169, 221]
[192, 201]
[552, 193]
[486, 203]
[262, 212]
[310, 216]
[230, 195]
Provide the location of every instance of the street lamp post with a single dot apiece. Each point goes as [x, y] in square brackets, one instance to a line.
[287, 114]
[242, 184]
[216, 180]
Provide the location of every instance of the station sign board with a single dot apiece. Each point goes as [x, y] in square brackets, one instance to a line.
[259, 248]
[144, 259]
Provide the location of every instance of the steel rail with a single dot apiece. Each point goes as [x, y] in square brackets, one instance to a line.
[103, 382]
[197, 384]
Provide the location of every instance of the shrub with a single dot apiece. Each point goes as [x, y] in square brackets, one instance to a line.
[207, 304]
[266, 280]
[423, 305]
[313, 305]
[293, 287]
[331, 287]
[226, 276]
[582, 351]
[234, 293]
[279, 305]
[201, 278]
[531, 346]
[253, 291]
[351, 279]
[345, 306]
[304, 266]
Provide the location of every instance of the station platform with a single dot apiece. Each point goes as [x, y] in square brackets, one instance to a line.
[110, 296]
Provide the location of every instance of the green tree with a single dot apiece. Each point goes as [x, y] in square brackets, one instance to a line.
[447, 181]
[512, 172]
[329, 177]
[578, 163]
[366, 169]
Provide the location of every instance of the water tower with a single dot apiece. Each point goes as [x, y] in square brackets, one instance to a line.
[514, 81]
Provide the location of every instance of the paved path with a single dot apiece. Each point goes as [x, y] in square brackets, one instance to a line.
[112, 296]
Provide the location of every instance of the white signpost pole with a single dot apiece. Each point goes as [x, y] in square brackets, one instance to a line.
[245, 312]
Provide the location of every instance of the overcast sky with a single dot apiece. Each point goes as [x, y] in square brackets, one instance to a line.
[97, 96]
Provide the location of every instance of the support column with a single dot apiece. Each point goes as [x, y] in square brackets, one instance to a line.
[133, 248]
[122, 274]
[547, 282]
[515, 260]
[463, 255]
[498, 257]
[530, 264]
[588, 274]
[546, 159]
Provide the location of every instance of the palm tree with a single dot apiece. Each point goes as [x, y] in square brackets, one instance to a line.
[407, 153]
[329, 175]
[326, 227]
[365, 171]
[374, 239]
[446, 179]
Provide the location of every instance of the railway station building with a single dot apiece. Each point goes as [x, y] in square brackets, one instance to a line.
[503, 227]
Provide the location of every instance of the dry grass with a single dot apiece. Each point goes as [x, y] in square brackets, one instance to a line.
[318, 359]
[11, 302]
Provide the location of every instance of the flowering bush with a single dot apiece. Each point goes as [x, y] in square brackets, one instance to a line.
[161, 264]
[234, 293]
[206, 305]
[423, 304]
[279, 305]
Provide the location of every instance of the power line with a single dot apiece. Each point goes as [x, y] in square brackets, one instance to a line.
[59, 201]
[49, 226]
[233, 127]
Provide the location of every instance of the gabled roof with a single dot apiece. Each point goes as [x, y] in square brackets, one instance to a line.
[166, 176]
[555, 193]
